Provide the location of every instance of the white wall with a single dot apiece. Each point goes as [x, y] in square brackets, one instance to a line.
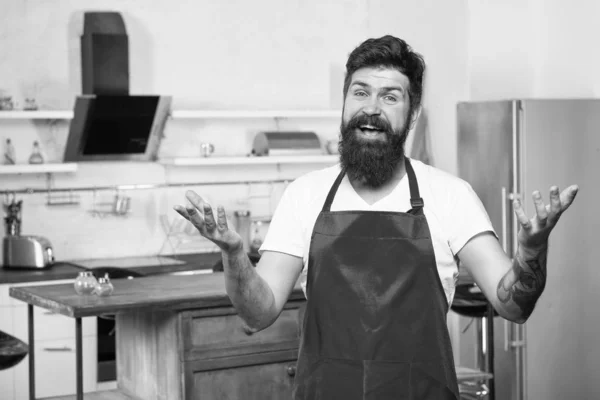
[264, 54]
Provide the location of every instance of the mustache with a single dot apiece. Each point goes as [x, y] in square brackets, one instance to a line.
[363, 119]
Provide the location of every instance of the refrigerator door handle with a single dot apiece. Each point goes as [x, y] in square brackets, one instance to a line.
[507, 339]
[504, 227]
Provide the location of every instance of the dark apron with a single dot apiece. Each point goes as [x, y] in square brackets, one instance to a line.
[375, 322]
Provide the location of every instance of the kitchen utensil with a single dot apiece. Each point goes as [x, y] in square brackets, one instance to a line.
[27, 251]
[206, 149]
[280, 143]
[13, 215]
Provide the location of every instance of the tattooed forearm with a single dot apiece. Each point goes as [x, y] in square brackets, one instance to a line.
[249, 293]
[520, 288]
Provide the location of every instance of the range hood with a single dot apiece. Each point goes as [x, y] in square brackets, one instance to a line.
[108, 123]
[112, 127]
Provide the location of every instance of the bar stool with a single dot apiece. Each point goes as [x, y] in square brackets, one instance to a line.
[12, 350]
[470, 302]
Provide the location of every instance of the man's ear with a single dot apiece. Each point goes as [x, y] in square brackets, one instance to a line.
[415, 117]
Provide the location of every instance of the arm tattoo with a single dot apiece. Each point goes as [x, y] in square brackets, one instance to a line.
[524, 283]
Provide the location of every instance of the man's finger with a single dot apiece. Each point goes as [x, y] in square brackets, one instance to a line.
[209, 218]
[196, 218]
[567, 196]
[221, 218]
[555, 206]
[195, 199]
[540, 208]
[521, 216]
[181, 211]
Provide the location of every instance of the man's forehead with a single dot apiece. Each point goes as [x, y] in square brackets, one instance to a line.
[380, 76]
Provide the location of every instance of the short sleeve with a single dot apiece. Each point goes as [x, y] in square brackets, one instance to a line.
[285, 233]
[466, 218]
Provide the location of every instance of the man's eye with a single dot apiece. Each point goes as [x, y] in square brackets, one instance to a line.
[390, 99]
[360, 93]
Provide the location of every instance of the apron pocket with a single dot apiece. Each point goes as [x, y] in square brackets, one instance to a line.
[387, 380]
[432, 381]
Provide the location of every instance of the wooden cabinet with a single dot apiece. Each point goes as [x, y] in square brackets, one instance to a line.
[262, 381]
[206, 354]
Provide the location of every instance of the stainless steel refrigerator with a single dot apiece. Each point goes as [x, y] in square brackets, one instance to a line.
[511, 148]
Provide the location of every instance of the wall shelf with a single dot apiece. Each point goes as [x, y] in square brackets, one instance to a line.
[267, 160]
[37, 168]
[248, 114]
[36, 114]
[186, 114]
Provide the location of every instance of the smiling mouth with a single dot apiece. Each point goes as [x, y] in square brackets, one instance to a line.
[369, 131]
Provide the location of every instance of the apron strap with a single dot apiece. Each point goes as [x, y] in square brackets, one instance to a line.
[333, 190]
[416, 202]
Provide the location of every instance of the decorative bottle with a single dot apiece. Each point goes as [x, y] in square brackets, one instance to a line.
[36, 155]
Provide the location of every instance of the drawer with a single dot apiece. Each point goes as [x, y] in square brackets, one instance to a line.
[55, 370]
[48, 325]
[222, 335]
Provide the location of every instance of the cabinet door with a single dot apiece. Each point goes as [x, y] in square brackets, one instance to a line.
[7, 376]
[260, 382]
[55, 373]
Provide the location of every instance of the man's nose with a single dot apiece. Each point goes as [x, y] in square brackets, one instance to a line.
[372, 107]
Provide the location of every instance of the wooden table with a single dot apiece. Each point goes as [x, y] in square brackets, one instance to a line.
[163, 311]
[181, 334]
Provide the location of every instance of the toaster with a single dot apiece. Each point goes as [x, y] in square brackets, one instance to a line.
[27, 252]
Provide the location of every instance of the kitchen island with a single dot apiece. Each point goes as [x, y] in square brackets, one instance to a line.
[178, 337]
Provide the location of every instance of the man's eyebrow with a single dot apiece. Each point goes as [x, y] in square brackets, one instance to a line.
[385, 88]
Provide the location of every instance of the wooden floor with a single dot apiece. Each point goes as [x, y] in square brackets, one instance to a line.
[104, 395]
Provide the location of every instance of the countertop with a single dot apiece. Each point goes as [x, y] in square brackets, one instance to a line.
[158, 291]
[147, 265]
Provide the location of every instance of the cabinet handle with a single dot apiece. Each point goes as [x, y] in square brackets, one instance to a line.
[49, 313]
[291, 370]
[64, 348]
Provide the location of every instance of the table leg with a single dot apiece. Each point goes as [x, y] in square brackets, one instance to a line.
[31, 353]
[79, 358]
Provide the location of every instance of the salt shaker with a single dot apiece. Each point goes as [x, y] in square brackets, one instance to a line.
[85, 283]
[104, 287]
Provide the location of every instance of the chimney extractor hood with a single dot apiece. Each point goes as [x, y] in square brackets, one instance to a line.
[116, 127]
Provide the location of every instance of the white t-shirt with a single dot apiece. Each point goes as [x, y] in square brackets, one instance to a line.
[453, 211]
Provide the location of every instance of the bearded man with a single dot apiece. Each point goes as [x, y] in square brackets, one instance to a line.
[376, 241]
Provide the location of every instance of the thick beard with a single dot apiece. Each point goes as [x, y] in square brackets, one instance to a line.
[371, 162]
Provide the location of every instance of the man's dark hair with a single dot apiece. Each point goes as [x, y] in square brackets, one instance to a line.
[389, 52]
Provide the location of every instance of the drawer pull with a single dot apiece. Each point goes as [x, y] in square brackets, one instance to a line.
[64, 348]
[49, 313]
[291, 370]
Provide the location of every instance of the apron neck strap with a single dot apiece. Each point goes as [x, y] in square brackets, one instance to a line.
[416, 202]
